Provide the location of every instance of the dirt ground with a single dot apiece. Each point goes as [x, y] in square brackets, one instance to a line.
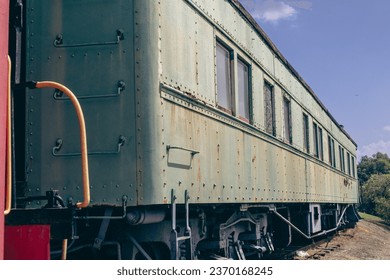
[369, 240]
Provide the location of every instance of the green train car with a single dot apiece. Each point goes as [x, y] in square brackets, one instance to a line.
[202, 141]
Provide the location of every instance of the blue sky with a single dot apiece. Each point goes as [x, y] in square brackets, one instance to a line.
[341, 48]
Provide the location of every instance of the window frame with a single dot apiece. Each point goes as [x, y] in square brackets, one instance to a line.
[318, 141]
[342, 158]
[348, 163]
[248, 102]
[271, 114]
[306, 133]
[331, 152]
[288, 136]
[231, 92]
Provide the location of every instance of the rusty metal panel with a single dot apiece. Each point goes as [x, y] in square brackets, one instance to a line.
[188, 40]
[179, 49]
[325, 185]
[282, 75]
[149, 115]
[257, 46]
[219, 161]
[268, 60]
[205, 62]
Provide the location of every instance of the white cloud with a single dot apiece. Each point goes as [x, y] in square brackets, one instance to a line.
[387, 128]
[273, 10]
[373, 148]
[307, 5]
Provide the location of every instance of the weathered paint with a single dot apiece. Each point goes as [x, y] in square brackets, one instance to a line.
[91, 62]
[223, 170]
[177, 137]
[236, 164]
[4, 8]
[30, 242]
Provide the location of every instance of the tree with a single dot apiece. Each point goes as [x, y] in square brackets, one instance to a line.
[376, 196]
[377, 164]
[374, 177]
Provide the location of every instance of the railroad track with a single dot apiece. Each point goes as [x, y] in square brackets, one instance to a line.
[318, 249]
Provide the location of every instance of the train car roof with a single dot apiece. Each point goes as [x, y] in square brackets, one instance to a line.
[270, 44]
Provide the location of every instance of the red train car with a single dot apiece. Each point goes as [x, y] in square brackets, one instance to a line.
[3, 109]
[16, 242]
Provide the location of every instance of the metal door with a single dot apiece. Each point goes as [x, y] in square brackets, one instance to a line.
[87, 46]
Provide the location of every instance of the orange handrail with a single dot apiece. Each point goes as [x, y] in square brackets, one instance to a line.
[83, 137]
[8, 197]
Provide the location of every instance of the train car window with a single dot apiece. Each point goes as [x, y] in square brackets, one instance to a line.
[269, 104]
[348, 163]
[287, 120]
[224, 79]
[243, 90]
[332, 155]
[353, 167]
[318, 146]
[342, 159]
[306, 142]
[320, 143]
[315, 140]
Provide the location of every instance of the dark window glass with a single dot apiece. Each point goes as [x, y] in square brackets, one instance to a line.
[243, 90]
[332, 154]
[315, 140]
[224, 78]
[287, 120]
[306, 142]
[348, 163]
[342, 159]
[269, 109]
[318, 146]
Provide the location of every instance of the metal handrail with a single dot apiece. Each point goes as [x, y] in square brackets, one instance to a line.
[83, 136]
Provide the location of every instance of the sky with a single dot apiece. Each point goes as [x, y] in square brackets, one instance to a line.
[341, 48]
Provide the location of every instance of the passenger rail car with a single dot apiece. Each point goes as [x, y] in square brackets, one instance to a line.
[192, 138]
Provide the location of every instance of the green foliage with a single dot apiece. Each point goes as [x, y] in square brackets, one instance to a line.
[374, 176]
[369, 217]
[376, 196]
[377, 164]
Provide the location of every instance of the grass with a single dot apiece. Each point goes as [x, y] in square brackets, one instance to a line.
[369, 217]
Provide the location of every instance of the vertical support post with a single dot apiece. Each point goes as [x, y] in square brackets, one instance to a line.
[187, 233]
[187, 237]
[173, 238]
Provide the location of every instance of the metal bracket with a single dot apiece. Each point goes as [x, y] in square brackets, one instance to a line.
[103, 229]
[60, 141]
[121, 217]
[121, 85]
[193, 152]
[59, 41]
